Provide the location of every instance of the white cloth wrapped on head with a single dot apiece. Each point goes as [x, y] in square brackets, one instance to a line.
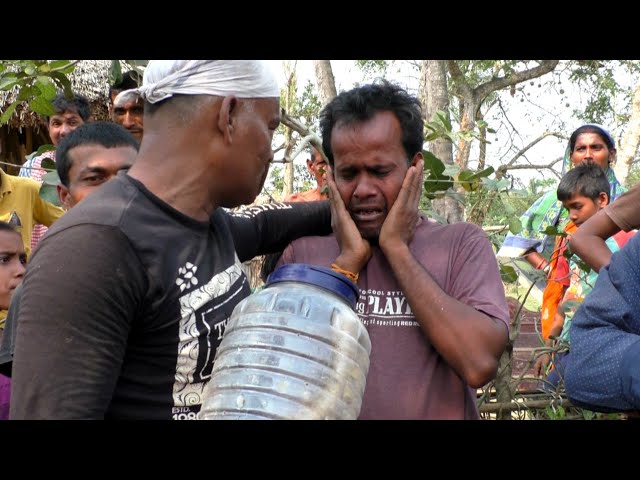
[242, 78]
[125, 96]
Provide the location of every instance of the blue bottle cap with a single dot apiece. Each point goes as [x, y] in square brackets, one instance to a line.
[319, 276]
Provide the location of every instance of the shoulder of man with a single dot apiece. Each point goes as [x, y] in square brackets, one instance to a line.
[464, 229]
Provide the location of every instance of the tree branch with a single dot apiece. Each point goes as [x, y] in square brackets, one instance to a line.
[303, 130]
[534, 142]
[504, 168]
[499, 83]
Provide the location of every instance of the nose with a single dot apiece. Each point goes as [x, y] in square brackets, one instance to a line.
[128, 120]
[65, 130]
[364, 189]
[19, 270]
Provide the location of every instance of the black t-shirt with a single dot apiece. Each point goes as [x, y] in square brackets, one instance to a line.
[126, 300]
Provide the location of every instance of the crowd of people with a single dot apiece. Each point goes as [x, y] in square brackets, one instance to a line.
[118, 311]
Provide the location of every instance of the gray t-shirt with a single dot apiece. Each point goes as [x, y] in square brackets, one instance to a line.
[408, 379]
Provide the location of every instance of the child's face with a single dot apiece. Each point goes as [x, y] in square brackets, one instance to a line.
[582, 208]
[12, 265]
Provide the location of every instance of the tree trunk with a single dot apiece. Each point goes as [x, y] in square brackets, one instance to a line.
[434, 96]
[325, 80]
[289, 99]
[630, 140]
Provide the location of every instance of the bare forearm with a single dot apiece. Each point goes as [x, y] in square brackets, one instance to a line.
[589, 241]
[535, 259]
[470, 341]
[592, 249]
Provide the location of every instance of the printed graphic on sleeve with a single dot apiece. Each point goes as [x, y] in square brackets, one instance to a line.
[204, 315]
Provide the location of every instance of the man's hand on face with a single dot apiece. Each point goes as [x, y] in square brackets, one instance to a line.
[355, 251]
[400, 225]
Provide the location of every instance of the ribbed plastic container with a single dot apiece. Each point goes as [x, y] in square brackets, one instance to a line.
[294, 350]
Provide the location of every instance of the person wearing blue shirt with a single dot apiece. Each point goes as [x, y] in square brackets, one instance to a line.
[603, 370]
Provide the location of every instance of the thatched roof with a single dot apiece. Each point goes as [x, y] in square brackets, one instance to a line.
[90, 78]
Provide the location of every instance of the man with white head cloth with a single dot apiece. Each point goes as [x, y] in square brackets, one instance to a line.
[126, 299]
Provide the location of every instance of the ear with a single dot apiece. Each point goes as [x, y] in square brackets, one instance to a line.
[603, 199]
[310, 165]
[416, 158]
[64, 196]
[227, 117]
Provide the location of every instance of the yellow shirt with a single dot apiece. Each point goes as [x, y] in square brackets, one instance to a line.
[22, 206]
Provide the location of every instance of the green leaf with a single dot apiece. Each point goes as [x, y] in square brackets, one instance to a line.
[30, 70]
[467, 181]
[508, 274]
[51, 178]
[491, 130]
[42, 106]
[433, 164]
[8, 112]
[443, 118]
[483, 173]
[115, 72]
[63, 66]
[48, 164]
[503, 183]
[552, 230]
[515, 226]
[49, 189]
[451, 170]
[8, 82]
[432, 136]
[63, 82]
[47, 88]
[508, 209]
[45, 148]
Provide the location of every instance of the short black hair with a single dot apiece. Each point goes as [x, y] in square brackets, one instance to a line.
[587, 179]
[362, 103]
[130, 79]
[78, 104]
[8, 227]
[106, 134]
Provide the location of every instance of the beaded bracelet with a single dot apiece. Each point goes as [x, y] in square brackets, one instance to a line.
[350, 275]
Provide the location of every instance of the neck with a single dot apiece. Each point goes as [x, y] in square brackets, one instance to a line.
[177, 172]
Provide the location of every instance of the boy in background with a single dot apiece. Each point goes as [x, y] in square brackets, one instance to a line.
[583, 191]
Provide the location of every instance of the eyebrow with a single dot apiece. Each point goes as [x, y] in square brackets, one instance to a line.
[99, 169]
[12, 252]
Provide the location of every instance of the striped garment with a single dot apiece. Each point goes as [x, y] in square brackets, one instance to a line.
[32, 169]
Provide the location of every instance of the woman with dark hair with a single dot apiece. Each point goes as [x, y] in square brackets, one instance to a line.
[590, 142]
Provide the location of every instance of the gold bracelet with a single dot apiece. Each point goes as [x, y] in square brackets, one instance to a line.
[350, 275]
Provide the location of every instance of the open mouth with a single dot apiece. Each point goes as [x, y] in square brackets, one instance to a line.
[367, 215]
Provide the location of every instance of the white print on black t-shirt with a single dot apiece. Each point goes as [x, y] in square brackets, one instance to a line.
[385, 308]
[187, 276]
[198, 309]
[253, 211]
